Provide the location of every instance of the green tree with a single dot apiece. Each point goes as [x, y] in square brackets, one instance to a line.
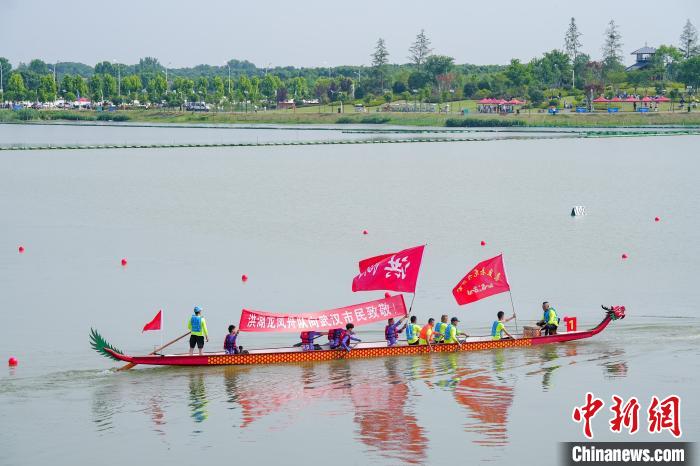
[298, 87]
[572, 46]
[689, 72]
[689, 40]
[268, 87]
[201, 88]
[15, 90]
[436, 65]
[6, 70]
[157, 87]
[106, 67]
[38, 66]
[418, 80]
[217, 85]
[420, 49]
[109, 86]
[184, 88]
[612, 49]
[380, 58]
[517, 73]
[131, 85]
[95, 84]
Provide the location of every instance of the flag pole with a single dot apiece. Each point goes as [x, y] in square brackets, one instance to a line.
[512, 306]
[162, 326]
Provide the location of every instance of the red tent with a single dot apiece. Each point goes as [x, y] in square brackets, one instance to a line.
[663, 98]
[647, 99]
[500, 102]
[515, 102]
[485, 101]
[616, 99]
[600, 99]
[631, 99]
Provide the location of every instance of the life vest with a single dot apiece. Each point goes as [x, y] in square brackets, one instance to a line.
[390, 332]
[342, 335]
[196, 324]
[553, 319]
[424, 332]
[448, 333]
[410, 332]
[495, 331]
[438, 327]
[306, 338]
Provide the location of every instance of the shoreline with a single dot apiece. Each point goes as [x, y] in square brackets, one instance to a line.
[375, 119]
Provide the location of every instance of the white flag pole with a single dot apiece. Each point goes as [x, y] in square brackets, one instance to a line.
[512, 306]
[162, 326]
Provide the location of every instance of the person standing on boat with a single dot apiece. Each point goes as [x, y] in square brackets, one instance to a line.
[452, 333]
[413, 332]
[392, 331]
[498, 328]
[439, 330]
[198, 330]
[230, 340]
[550, 320]
[346, 336]
[426, 333]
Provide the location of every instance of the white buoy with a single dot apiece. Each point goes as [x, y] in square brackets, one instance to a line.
[578, 210]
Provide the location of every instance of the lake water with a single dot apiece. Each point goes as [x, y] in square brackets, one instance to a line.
[191, 221]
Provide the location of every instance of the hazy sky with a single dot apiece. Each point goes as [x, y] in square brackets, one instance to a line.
[315, 32]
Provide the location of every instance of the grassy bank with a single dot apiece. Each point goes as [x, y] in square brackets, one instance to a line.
[404, 119]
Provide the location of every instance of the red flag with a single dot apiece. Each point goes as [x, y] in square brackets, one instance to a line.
[396, 271]
[486, 279]
[155, 323]
[359, 314]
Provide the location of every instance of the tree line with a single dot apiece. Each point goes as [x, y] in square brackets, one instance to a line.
[426, 76]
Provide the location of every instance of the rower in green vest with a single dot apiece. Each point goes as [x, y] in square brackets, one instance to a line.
[451, 332]
[498, 328]
[413, 332]
[550, 320]
[198, 330]
[439, 329]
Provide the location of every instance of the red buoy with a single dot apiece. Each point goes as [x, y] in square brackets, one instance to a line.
[657, 219]
[12, 362]
[20, 249]
[244, 278]
[387, 295]
[483, 243]
[124, 262]
[364, 232]
[624, 256]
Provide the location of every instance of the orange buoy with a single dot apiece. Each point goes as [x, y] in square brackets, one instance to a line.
[483, 243]
[12, 362]
[20, 249]
[624, 256]
[387, 295]
[657, 219]
[124, 262]
[244, 278]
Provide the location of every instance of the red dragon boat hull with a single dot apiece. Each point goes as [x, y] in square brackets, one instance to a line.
[294, 355]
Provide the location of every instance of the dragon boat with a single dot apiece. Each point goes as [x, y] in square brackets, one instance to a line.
[359, 351]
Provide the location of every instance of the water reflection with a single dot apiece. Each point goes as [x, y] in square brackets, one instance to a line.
[384, 416]
[198, 398]
[105, 404]
[157, 413]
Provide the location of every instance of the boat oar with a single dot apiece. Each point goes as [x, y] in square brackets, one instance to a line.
[131, 364]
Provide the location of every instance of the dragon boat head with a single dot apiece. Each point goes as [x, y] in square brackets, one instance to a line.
[615, 312]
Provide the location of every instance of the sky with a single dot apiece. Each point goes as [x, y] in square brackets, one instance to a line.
[323, 33]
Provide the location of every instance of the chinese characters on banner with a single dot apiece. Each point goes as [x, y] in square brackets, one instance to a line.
[662, 414]
[359, 314]
[486, 279]
[394, 272]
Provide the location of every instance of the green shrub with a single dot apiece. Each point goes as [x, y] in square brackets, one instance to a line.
[27, 114]
[112, 117]
[481, 123]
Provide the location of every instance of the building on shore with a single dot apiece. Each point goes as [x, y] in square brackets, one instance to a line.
[643, 58]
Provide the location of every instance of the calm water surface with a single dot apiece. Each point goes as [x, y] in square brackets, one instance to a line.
[191, 222]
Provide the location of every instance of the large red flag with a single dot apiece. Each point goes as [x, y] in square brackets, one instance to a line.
[155, 323]
[486, 279]
[395, 271]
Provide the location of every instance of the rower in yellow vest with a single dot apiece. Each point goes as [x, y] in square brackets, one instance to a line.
[550, 320]
[498, 328]
[451, 332]
[413, 332]
[198, 330]
[439, 330]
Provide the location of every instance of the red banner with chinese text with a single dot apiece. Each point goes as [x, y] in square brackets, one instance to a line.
[359, 314]
[395, 271]
[486, 279]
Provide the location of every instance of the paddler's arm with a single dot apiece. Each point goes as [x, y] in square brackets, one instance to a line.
[508, 334]
[510, 318]
[204, 329]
